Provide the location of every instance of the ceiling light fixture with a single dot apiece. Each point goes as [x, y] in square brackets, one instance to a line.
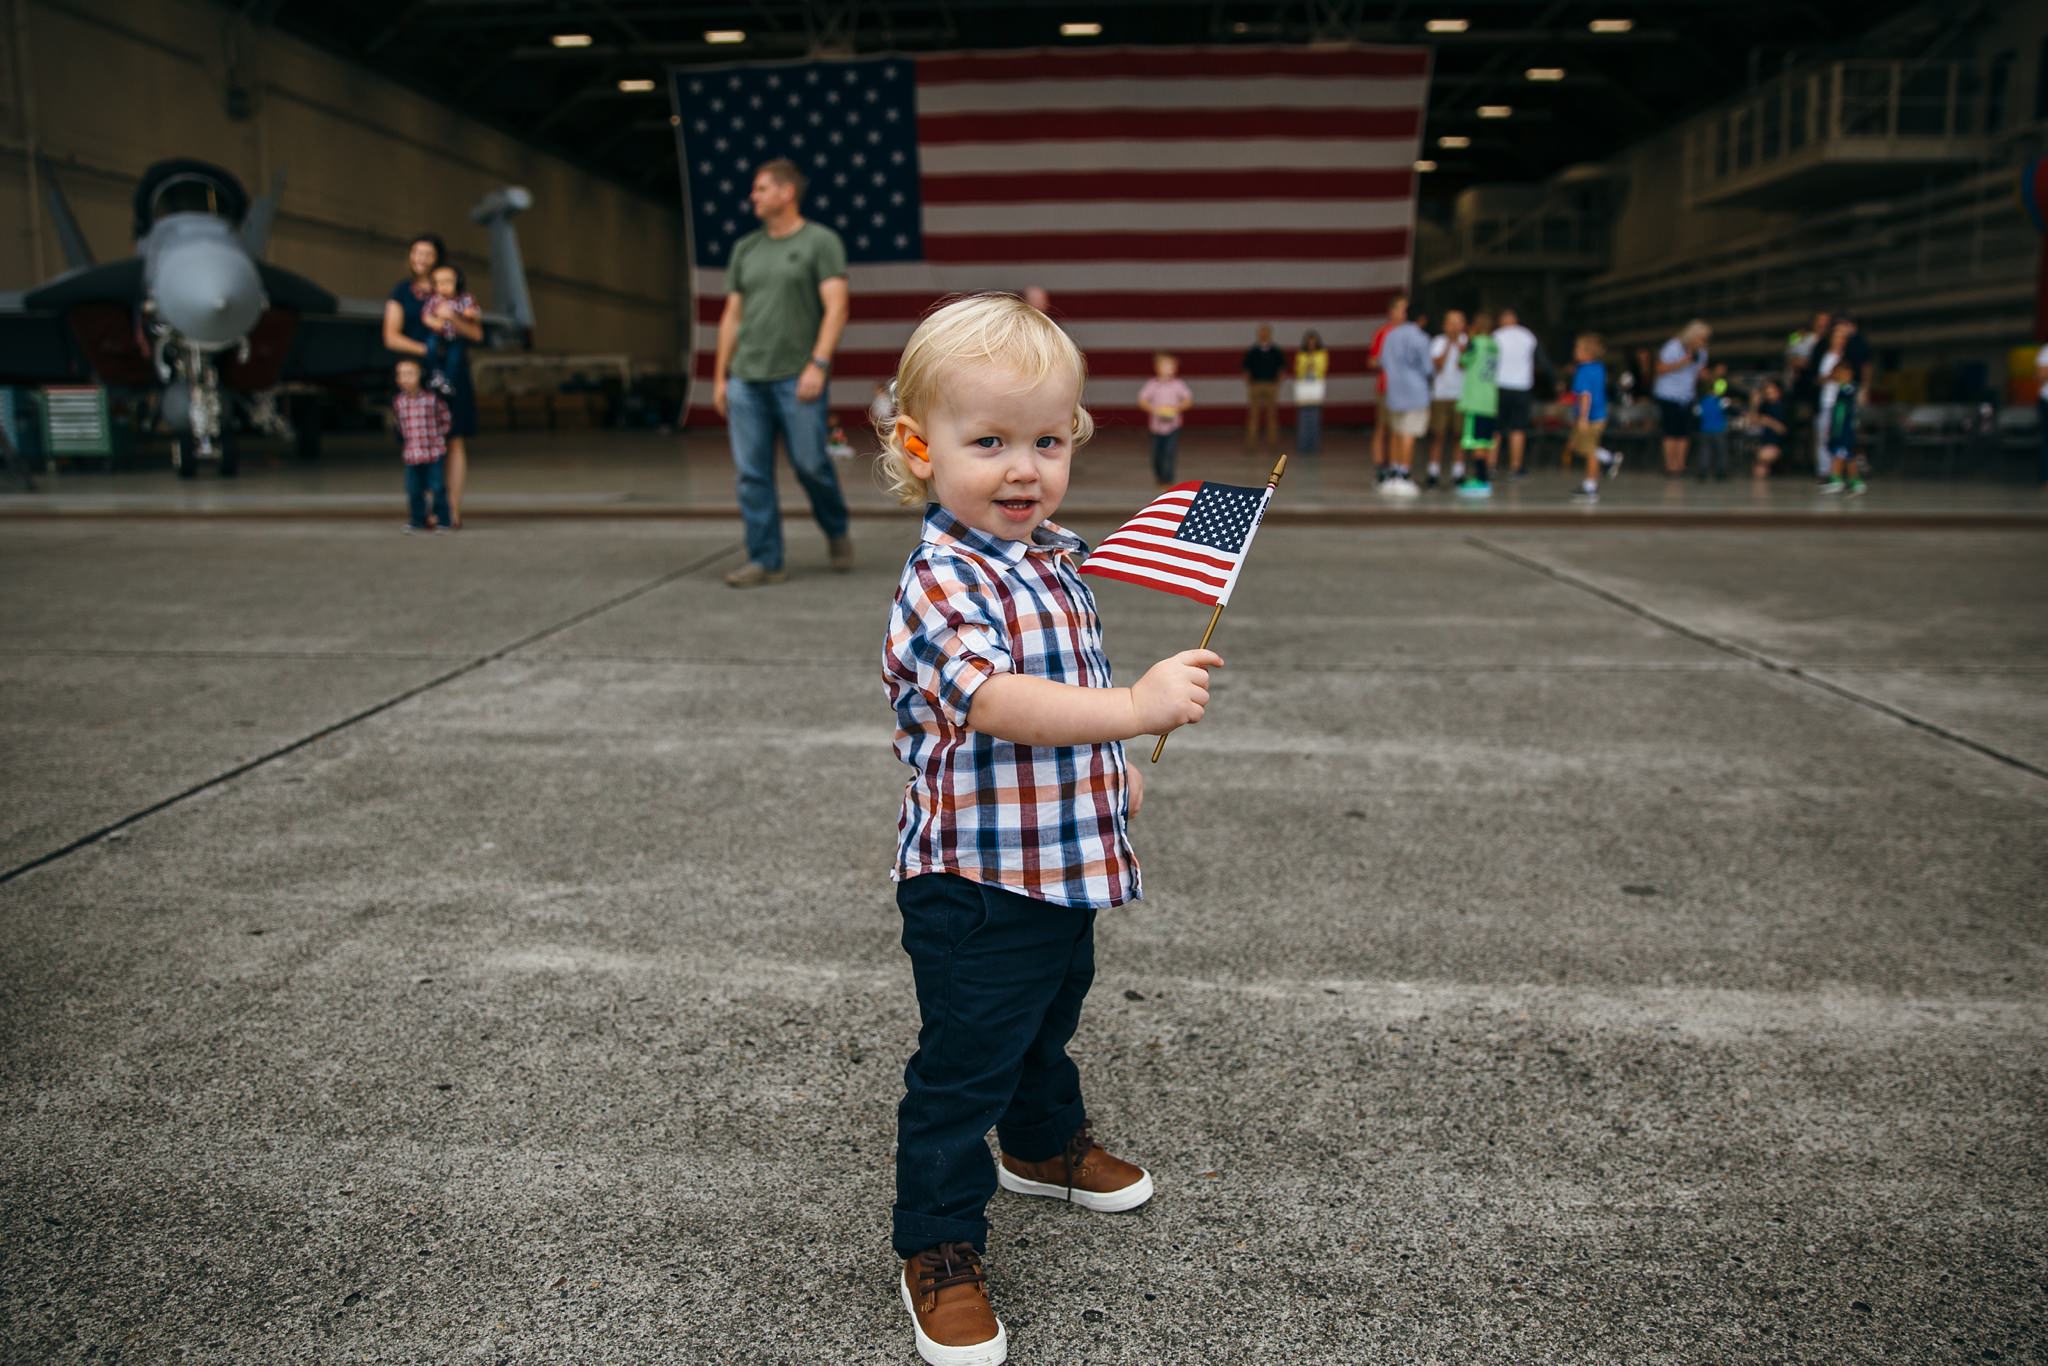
[1448, 25]
[1454, 142]
[1495, 111]
[1080, 30]
[725, 35]
[1611, 25]
[635, 85]
[571, 40]
[1545, 73]
[1425, 165]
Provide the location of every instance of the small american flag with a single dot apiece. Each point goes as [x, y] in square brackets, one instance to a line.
[1190, 540]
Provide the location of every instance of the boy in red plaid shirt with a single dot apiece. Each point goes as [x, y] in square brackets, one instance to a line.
[1013, 827]
[423, 423]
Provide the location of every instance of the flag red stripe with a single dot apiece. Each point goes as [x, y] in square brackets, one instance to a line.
[1103, 366]
[1137, 565]
[1097, 125]
[1010, 248]
[1167, 186]
[1119, 549]
[1106, 306]
[1155, 63]
[1144, 581]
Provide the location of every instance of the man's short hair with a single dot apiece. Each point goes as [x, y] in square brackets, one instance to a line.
[784, 170]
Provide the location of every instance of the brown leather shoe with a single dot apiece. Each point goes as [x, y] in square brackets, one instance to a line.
[1085, 1174]
[946, 1292]
[840, 549]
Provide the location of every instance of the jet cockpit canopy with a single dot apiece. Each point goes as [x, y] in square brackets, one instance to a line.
[185, 186]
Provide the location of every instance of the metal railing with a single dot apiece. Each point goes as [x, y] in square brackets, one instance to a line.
[1933, 107]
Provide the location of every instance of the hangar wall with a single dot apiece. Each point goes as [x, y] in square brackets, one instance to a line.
[105, 87]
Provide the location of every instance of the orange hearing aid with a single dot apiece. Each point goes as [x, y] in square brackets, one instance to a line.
[914, 443]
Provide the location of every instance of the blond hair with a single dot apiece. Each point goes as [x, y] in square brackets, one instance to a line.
[998, 330]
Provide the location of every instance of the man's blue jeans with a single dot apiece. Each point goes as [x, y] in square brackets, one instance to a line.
[757, 409]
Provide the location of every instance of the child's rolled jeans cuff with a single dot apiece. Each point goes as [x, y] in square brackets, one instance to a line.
[1045, 1140]
[912, 1233]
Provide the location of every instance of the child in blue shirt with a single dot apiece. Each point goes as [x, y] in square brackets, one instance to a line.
[1841, 434]
[1712, 442]
[1589, 410]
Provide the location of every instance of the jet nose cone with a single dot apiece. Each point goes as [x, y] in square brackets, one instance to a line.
[209, 291]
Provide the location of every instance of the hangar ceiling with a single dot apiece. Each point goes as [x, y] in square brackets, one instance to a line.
[1582, 77]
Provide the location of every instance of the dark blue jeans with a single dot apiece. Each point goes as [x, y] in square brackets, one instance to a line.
[421, 480]
[1000, 981]
[755, 411]
[1165, 449]
[1308, 428]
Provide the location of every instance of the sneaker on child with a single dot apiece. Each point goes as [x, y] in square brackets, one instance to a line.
[1086, 1174]
[946, 1291]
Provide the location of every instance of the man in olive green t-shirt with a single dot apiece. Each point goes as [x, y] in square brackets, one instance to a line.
[785, 308]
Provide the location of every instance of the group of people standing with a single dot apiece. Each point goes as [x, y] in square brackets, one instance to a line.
[1470, 389]
[430, 322]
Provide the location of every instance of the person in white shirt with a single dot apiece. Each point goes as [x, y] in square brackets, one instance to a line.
[1445, 350]
[1517, 379]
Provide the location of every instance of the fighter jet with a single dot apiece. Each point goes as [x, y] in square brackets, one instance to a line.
[198, 315]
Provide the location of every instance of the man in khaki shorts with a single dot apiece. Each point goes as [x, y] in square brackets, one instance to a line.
[1404, 408]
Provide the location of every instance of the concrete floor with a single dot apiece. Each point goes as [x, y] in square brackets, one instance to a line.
[1561, 945]
[689, 475]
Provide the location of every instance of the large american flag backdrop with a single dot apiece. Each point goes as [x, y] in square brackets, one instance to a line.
[1168, 198]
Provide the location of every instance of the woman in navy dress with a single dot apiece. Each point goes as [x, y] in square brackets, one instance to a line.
[405, 332]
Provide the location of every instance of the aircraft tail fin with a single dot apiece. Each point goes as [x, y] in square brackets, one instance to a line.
[262, 213]
[509, 294]
[76, 252]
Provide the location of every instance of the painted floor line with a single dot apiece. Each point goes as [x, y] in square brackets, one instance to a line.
[480, 661]
[1757, 657]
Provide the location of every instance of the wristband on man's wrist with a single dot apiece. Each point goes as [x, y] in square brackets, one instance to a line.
[822, 362]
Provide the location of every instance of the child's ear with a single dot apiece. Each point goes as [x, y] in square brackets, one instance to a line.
[918, 453]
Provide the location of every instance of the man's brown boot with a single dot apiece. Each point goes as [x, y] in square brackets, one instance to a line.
[946, 1292]
[840, 549]
[753, 574]
[1085, 1174]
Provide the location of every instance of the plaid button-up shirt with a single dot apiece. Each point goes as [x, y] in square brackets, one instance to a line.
[423, 423]
[1047, 821]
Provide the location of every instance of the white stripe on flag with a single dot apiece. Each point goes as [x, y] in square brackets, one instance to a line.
[908, 277]
[1193, 93]
[1247, 154]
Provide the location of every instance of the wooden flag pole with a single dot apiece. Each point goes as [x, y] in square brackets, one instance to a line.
[1272, 481]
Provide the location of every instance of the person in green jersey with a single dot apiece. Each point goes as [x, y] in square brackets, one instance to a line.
[786, 301]
[1479, 406]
